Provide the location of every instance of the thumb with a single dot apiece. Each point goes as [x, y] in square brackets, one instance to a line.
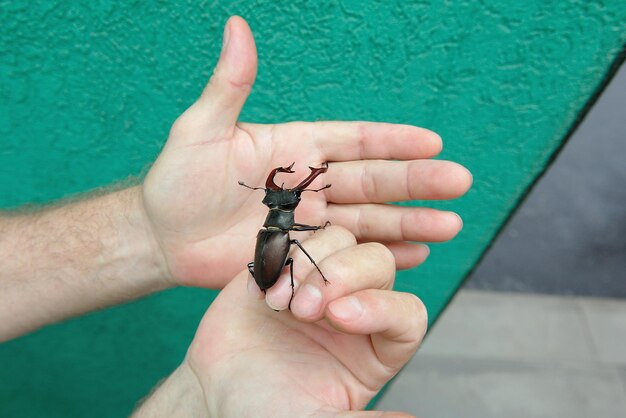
[231, 82]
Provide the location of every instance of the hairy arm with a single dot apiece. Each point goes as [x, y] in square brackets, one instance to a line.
[67, 260]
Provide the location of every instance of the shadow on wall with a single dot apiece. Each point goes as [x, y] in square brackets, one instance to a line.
[568, 236]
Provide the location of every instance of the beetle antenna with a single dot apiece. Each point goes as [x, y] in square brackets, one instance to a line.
[241, 183]
[317, 190]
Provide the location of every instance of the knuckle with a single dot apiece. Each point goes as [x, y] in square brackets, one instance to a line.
[186, 124]
[380, 252]
[363, 225]
[413, 181]
[411, 318]
[340, 234]
[405, 225]
[338, 268]
[368, 184]
[361, 135]
[180, 126]
[419, 315]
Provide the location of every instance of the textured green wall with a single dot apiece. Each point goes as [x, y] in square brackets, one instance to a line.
[88, 91]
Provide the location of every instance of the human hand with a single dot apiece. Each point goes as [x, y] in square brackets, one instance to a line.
[327, 356]
[199, 213]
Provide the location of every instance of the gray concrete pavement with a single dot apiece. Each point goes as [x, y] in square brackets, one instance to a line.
[528, 355]
[515, 355]
[568, 237]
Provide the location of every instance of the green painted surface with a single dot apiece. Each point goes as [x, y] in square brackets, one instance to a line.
[88, 91]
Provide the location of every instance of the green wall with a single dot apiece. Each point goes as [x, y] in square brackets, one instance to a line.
[88, 91]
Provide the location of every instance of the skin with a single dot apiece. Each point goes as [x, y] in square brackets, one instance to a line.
[249, 361]
[208, 152]
[190, 224]
[342, 342]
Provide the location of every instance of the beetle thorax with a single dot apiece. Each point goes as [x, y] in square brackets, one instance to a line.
[283, 199]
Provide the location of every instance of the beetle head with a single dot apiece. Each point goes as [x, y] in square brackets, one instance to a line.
[276, 197]
[287, 199]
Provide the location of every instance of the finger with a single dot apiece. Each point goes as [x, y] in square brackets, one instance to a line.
[364, 266]
[319, 245]
[392, 181]
[408, 254]
[396, 321]
[219, 106]
[347, 141]
[253, 288]
[390, 223]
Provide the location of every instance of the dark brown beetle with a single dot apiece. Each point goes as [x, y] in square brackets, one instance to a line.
[273, 241]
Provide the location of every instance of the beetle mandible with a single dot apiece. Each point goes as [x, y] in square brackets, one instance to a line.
[273, 241]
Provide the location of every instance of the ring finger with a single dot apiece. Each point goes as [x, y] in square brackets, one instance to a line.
[365, 266]
[319, 246]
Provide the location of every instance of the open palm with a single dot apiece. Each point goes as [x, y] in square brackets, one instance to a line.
[199, 213]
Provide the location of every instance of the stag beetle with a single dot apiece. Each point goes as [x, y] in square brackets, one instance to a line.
[273, 241]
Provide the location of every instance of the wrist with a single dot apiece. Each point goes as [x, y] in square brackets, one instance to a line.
[134, 254]
[155, 255]
[180, 395]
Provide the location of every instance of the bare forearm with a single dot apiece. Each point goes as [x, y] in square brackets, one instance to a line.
[72, 259]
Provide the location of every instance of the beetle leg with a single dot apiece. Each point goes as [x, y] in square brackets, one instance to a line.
[295, 241]
[303, 227]
[289, 263]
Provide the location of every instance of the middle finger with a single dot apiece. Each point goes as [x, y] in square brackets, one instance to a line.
[380, 181]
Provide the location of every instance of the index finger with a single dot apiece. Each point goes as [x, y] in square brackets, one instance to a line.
[348, 141]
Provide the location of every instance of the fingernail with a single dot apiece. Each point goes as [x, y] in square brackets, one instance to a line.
[471, 176]
[272, 306]
[253, 288]
[309, 301]
[460, 220]
[346, 309]
[279, 295]
[225, 36]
